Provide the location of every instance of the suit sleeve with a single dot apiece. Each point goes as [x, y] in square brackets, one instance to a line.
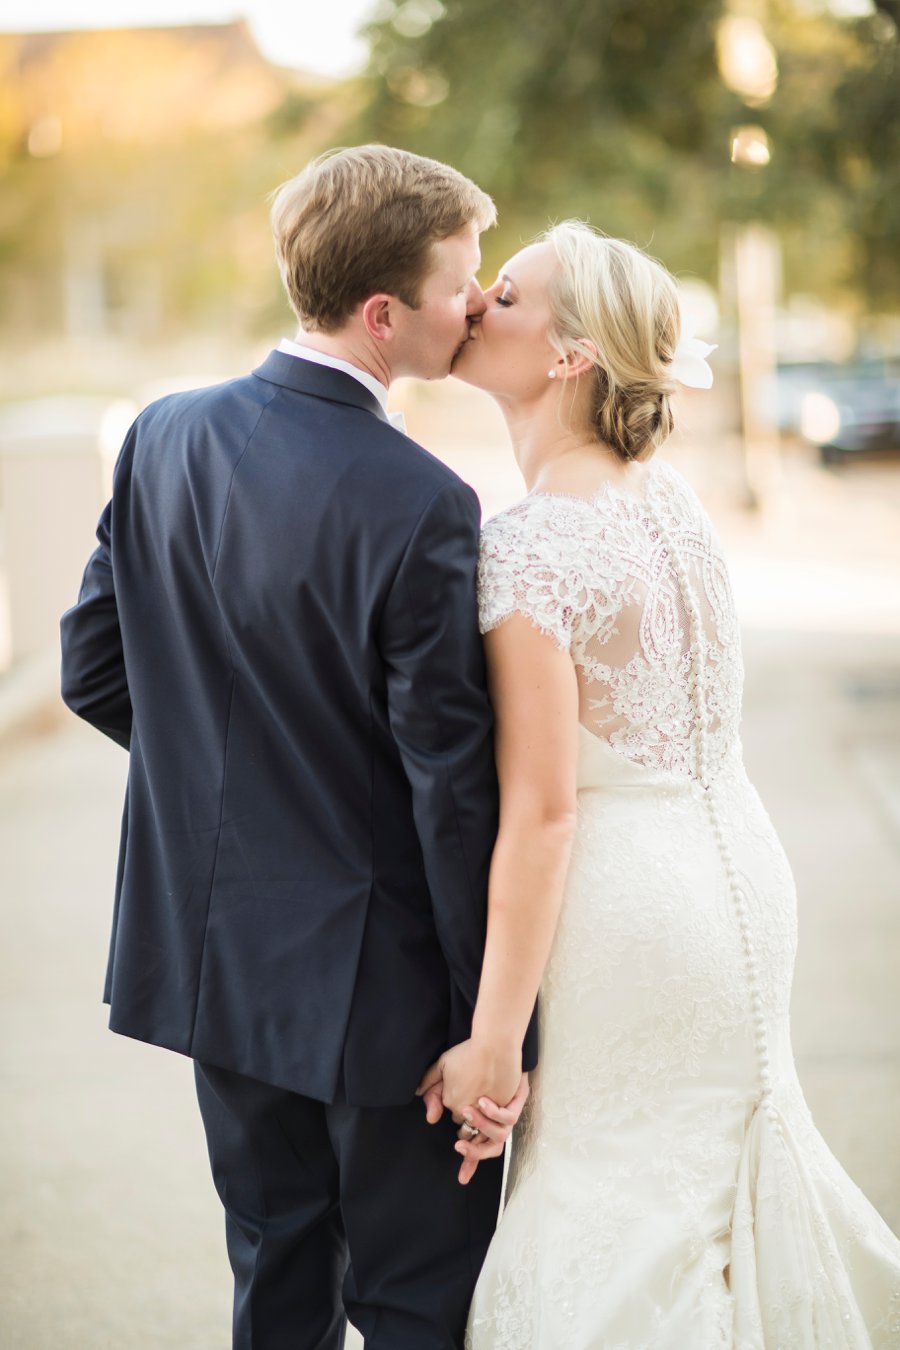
[441, 720]
[94, 684]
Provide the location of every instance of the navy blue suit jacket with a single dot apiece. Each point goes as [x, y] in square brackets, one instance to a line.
[280, 624]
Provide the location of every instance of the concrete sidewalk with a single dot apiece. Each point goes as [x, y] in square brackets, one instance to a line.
[112, 1235]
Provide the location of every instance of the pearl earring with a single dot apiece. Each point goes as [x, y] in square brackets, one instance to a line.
[551, 374]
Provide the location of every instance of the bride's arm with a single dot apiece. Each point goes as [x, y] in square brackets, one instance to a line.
[535, 698]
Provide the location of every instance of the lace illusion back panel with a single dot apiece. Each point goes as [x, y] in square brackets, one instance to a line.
[667, 1186]
[640, 618]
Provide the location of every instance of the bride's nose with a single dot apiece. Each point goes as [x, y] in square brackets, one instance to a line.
[475, 301]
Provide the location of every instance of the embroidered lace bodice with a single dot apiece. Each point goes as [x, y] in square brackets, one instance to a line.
[598, 577]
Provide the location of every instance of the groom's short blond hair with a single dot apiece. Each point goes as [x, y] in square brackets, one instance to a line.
[361, 221]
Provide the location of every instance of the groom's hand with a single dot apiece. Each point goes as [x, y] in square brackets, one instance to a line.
[433, 1098]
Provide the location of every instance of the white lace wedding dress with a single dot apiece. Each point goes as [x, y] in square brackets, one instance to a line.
[668, 1190]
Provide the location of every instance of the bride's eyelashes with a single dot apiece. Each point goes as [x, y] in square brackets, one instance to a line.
[502, 300]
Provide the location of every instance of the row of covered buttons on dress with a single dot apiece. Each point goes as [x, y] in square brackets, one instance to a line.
[696, 686]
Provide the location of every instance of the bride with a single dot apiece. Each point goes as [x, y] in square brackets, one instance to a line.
[668, 1190]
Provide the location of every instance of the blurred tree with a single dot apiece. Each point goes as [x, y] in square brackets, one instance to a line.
[618, 112]
[135, 169]
[135, 164]
[833, 186]
[862, 154]
[581, 107]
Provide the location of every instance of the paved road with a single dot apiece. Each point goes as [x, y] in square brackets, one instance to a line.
[112, 1238]
[112, 1234]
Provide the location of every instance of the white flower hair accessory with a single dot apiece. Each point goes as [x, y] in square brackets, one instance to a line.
[689, 364]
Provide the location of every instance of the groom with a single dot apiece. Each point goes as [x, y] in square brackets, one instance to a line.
[280, 624]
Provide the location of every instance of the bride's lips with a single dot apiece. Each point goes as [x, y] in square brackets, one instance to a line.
[461, 348]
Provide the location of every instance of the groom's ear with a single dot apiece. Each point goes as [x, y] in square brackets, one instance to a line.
[378, 317]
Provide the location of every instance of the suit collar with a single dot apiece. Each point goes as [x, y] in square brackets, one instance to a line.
[365, 377]
[306, 377]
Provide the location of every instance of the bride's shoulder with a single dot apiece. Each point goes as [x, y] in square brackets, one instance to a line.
[680, 504]
[525, 552]
[540, 516]
[671, 482]
[536, 537]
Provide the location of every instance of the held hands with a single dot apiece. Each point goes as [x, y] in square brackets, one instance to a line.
[495, 1124]
[469, 1073]
[471, 1070]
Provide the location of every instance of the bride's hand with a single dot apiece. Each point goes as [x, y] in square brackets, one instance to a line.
[469, 1071]
[495, 1124]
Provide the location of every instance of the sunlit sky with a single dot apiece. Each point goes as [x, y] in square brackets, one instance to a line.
[315, 35]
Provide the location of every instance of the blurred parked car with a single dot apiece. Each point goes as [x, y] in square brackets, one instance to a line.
[844, 409]
[794, 381]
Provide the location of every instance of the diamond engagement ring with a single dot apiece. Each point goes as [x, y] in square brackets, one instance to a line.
[469, 1131]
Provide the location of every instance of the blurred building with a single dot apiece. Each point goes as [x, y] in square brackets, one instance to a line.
[134, 247]
[135, 165]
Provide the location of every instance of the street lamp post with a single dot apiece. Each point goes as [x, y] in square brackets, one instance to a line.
[748, 65]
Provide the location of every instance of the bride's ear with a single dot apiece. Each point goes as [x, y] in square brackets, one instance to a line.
[579, 362]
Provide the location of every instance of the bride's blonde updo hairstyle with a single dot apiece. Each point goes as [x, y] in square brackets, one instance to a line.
[626, 304]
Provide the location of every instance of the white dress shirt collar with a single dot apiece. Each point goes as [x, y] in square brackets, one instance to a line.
[322, 359]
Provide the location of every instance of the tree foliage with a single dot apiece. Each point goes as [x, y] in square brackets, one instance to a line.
[618, 112]
[862, 152]
[135, 169]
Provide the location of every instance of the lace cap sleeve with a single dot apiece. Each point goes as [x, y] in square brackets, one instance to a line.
[522, 571]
